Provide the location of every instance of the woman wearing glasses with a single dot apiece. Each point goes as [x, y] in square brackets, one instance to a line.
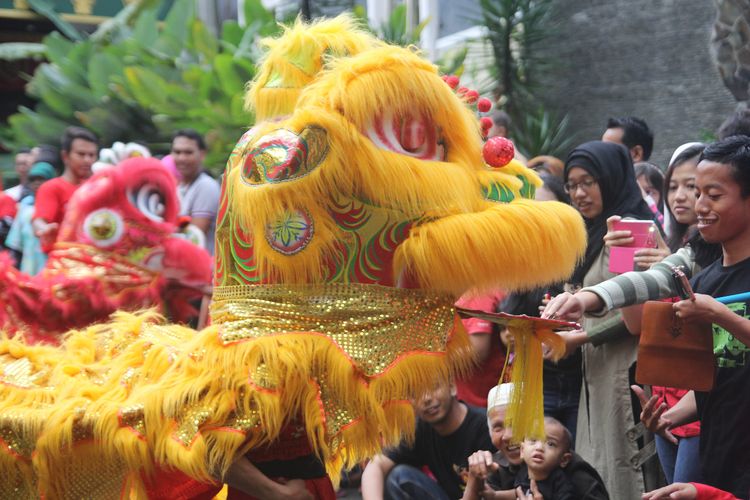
[600, 180]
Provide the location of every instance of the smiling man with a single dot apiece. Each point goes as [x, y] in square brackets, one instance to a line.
[723, 209]
[199, 192]
[448, 431]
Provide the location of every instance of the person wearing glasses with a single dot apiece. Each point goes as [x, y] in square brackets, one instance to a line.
[600, 180]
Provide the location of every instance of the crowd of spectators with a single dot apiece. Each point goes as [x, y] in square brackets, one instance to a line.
[600, 422]
[32, 211]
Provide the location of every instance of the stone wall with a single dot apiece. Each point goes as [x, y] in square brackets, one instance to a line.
[648, 58]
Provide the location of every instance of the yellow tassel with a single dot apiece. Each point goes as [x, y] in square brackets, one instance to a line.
[526, 410]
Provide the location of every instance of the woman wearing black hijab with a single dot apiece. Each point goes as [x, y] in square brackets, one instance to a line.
[600, 180]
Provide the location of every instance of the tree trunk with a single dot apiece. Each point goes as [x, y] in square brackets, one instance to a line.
[730, 46]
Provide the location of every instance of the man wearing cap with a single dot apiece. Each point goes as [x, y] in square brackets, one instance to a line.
[21, 238]
[493, 476]
[447, 432]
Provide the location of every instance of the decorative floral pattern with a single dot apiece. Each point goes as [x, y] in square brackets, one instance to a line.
[291, 232]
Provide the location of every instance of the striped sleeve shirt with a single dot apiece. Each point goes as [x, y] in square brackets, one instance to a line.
[636, 287]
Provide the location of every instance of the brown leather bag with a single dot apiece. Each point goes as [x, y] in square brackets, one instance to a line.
[672, 353]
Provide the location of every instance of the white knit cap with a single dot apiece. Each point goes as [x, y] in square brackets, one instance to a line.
[499, 395]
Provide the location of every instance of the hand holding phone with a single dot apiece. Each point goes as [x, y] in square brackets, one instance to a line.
[684, 290]
[643, 232]
[625, 238]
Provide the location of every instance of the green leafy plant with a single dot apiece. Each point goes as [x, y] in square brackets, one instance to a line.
[394, 31]
[136, 79]
[515, 31]
[543, 133]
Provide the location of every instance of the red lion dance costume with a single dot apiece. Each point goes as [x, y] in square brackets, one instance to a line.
[117, 249]
[345, 233]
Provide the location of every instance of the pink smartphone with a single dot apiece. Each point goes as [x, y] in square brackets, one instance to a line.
[621, 259]
[643, 231]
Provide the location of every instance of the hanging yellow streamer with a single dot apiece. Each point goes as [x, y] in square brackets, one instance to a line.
[526, 410]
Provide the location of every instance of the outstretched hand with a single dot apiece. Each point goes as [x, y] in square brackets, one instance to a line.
[675, 491]
[481, 464]
[566, 307]
[651, 415]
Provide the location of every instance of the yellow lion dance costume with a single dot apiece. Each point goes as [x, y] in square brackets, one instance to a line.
[346, 231]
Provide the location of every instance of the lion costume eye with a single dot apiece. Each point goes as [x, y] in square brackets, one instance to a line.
[149, 200]
[104, 227]
[414, 136]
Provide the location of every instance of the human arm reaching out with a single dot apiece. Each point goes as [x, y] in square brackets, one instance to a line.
[373, 477]
[707, 310]
[659, 420]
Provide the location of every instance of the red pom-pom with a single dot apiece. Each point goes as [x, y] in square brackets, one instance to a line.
[498, 151]
[462, 91]
[452, 81]
[472, 96]
[486, 122]
[484, 105]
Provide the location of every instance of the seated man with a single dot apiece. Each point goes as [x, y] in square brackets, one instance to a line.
[447, 432]
[494, 476]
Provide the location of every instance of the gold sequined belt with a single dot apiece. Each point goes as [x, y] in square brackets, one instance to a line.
[372, 324]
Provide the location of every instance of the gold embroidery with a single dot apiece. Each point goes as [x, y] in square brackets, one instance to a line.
[372, 324]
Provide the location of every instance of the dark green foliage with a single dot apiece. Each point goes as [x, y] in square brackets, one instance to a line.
[516, 31]
[135, 79]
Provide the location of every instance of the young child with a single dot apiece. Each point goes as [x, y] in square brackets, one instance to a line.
[544, 461]
[494, 476]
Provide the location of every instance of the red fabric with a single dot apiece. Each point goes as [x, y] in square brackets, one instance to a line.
[51, 199]
[321, 489]
[8, 206]
[291, 443]
[706, 492]
[171, 484]
[474, 387]
[49, 204]
[671, 396]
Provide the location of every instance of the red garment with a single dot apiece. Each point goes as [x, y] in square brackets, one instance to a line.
[49, 204]
[292, 443]
[321, 489]
[706, 492]
[51, 199]
[8, 206]
[671, 396]
[171, 484]
[474, 387]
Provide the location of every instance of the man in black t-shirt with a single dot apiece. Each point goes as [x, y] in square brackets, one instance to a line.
[447, 432]
[723, 209]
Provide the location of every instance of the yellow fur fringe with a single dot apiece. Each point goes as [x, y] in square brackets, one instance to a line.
[296, 58]
[178, 376]
[519, 245]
